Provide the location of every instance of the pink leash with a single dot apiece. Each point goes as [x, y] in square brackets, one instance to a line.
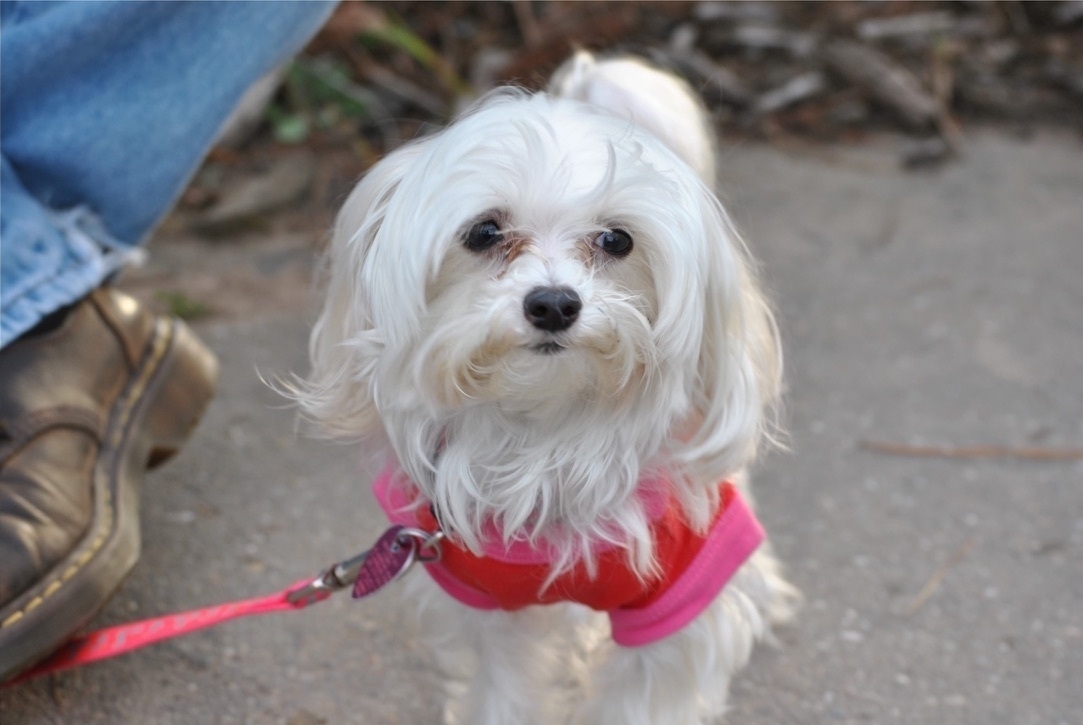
[114, 641]
[389, 558]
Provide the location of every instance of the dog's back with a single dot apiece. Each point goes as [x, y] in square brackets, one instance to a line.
[656, 101]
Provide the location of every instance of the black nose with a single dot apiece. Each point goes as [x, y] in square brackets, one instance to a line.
[552, 308]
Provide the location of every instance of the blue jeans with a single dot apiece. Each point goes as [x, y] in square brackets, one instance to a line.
[106, 110]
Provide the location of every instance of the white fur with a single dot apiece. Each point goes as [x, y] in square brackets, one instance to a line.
[423, 352]
[656, 101]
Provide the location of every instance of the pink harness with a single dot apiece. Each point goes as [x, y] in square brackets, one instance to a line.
[694, 567]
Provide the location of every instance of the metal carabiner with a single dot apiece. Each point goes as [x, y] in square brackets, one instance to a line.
[421, 545]
[335, 577]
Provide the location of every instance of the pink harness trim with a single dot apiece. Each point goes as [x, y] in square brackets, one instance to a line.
[731, 540]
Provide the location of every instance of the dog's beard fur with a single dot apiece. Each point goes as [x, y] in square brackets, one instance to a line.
[423, 351]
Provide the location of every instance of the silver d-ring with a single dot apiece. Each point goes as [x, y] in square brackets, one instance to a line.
[425, 546]
[430, 550]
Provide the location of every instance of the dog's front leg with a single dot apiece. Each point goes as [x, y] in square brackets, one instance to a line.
[499, 665]
[680, 680]
[684, 679]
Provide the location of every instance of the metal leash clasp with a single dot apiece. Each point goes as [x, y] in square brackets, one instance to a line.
[335, 577]
[390, 558]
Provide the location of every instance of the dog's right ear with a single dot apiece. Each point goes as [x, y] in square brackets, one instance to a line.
[344, 347]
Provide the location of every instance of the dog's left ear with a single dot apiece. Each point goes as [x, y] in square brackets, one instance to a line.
[739, 368]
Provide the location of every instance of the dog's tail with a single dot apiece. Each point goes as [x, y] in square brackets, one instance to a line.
[655, 100]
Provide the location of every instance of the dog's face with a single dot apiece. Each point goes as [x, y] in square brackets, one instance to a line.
[543, 290]
[542, 271]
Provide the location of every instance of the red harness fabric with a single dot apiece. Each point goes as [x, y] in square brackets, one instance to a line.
[693, 567]
[514, 586]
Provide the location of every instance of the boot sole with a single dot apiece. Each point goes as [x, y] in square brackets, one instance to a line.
[150, 421]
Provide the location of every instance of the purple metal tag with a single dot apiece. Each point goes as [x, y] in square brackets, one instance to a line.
[387, 559]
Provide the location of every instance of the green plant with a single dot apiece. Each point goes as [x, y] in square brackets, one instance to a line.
[180, 305]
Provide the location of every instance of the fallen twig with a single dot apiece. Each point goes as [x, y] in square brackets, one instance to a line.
[938, 576]
[529, 27]
[795, 90]
[1027, 453]
[766, 37]
[713, 78]
[943, 83]
[405, 90]
[885, 79]
[938, 21]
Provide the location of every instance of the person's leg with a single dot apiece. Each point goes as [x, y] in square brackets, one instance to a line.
[107, 110]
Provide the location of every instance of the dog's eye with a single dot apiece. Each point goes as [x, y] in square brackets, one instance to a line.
[616, 242]
[482, 236]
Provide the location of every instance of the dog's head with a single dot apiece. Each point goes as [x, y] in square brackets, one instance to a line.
[543, 270]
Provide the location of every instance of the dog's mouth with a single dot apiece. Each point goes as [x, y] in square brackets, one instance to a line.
[549, 347]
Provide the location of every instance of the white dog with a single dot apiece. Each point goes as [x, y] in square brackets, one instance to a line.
[543, 323]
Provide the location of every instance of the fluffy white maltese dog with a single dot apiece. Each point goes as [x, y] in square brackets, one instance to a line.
[543, 324]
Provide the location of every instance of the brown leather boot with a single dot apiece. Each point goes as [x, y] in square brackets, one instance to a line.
[85, 409]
